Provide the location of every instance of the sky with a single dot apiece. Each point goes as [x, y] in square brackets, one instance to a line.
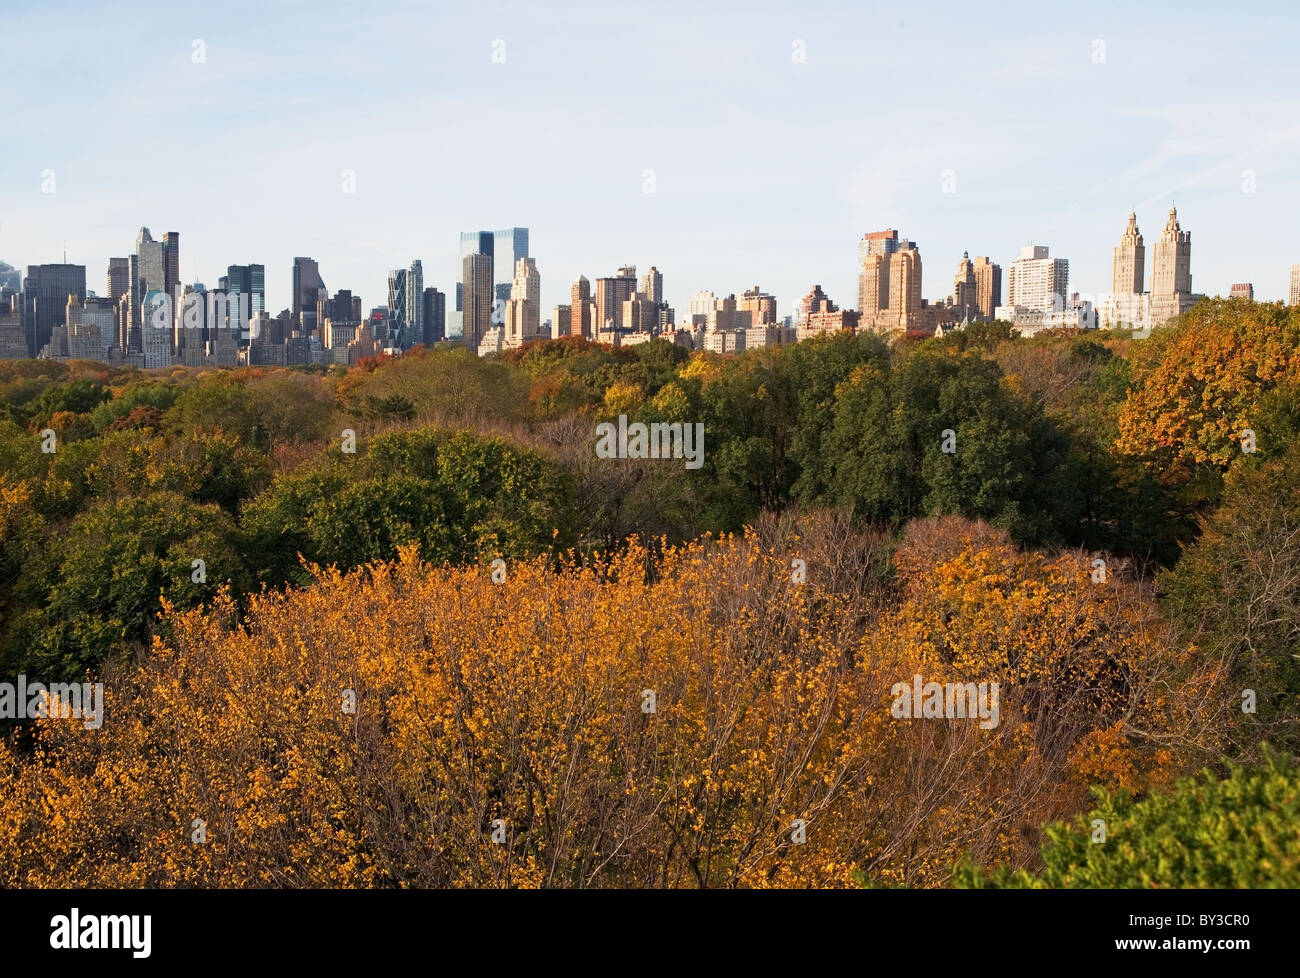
[728, 144]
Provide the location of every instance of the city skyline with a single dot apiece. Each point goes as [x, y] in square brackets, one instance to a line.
[723, 150]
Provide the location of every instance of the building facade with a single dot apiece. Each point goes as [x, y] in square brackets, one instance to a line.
[477, 298]
[1128, 267]
[988, 286]
[45, 300]
[1171, 272]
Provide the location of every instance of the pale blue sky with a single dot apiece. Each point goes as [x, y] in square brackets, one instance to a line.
[767, 171]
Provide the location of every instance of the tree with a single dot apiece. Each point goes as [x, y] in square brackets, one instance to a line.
[1233, 832]
[453, 494]
[1197, 385]
[1236, 590]
[943, 433]
[103, 580]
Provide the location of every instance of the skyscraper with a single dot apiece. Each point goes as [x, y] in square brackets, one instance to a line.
[988, 286]
[1037, 281]
[45, 300]
[477, 299]
[415, 302]
[652, 284]
[152, 266]
[964, 289]
[191, 331]
[510, 245]
[1171, 272]
[435, 316]
[307, 284]
[119, 271]
[171, 248]
[561, 320]
[580, 308]
[904, 286]
[873, 271]
[119, 278]
[503, 249]
[246, 289]
[524, 309]
[760, 306]
[148, 273]
[397, 298]
[1295, 286]
[471, 243]
[611, 293]
[1129, 270]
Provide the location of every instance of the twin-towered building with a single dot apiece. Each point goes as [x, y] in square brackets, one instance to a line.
[1129, 306]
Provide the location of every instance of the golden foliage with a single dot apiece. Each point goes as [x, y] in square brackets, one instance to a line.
[524, 701]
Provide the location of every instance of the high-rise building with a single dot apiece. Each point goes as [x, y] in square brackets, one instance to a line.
[580, 308]
[889, 282]
[611, 293]
[415, 302]
[397, 297]
[873, 285]
[157, 329]
[608, 305]
[965, 297]
[119, 278]
[561, 321]
[130, 338]
[307, 284]
[99, 318]
[873, 275]
[1129, 269]
[1037, 281]
[1242, 290]
[818, 315]
[147, 273]
[702, 303]
[191, 332]
[904, 285]
[45, 300]
[1171, 272]
[245, 286]
[13, 340]
[344, 310]
[760, 306]
[509, 245]
[1038, 295]
[119, 271]
[524, 308]
[1294, 298]
[640, 315]
[152, 266]
[477, 299]
[471, 243]
[171, 249]
[988, 286]
[652, 284]
[434, 316]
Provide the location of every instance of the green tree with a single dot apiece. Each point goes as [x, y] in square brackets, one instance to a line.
[104, 578]
[1237, 831]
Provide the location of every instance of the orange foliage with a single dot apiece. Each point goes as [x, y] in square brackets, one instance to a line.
[1197, 385]
[525, 701]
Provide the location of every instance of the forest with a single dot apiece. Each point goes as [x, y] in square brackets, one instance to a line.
[401, 625]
